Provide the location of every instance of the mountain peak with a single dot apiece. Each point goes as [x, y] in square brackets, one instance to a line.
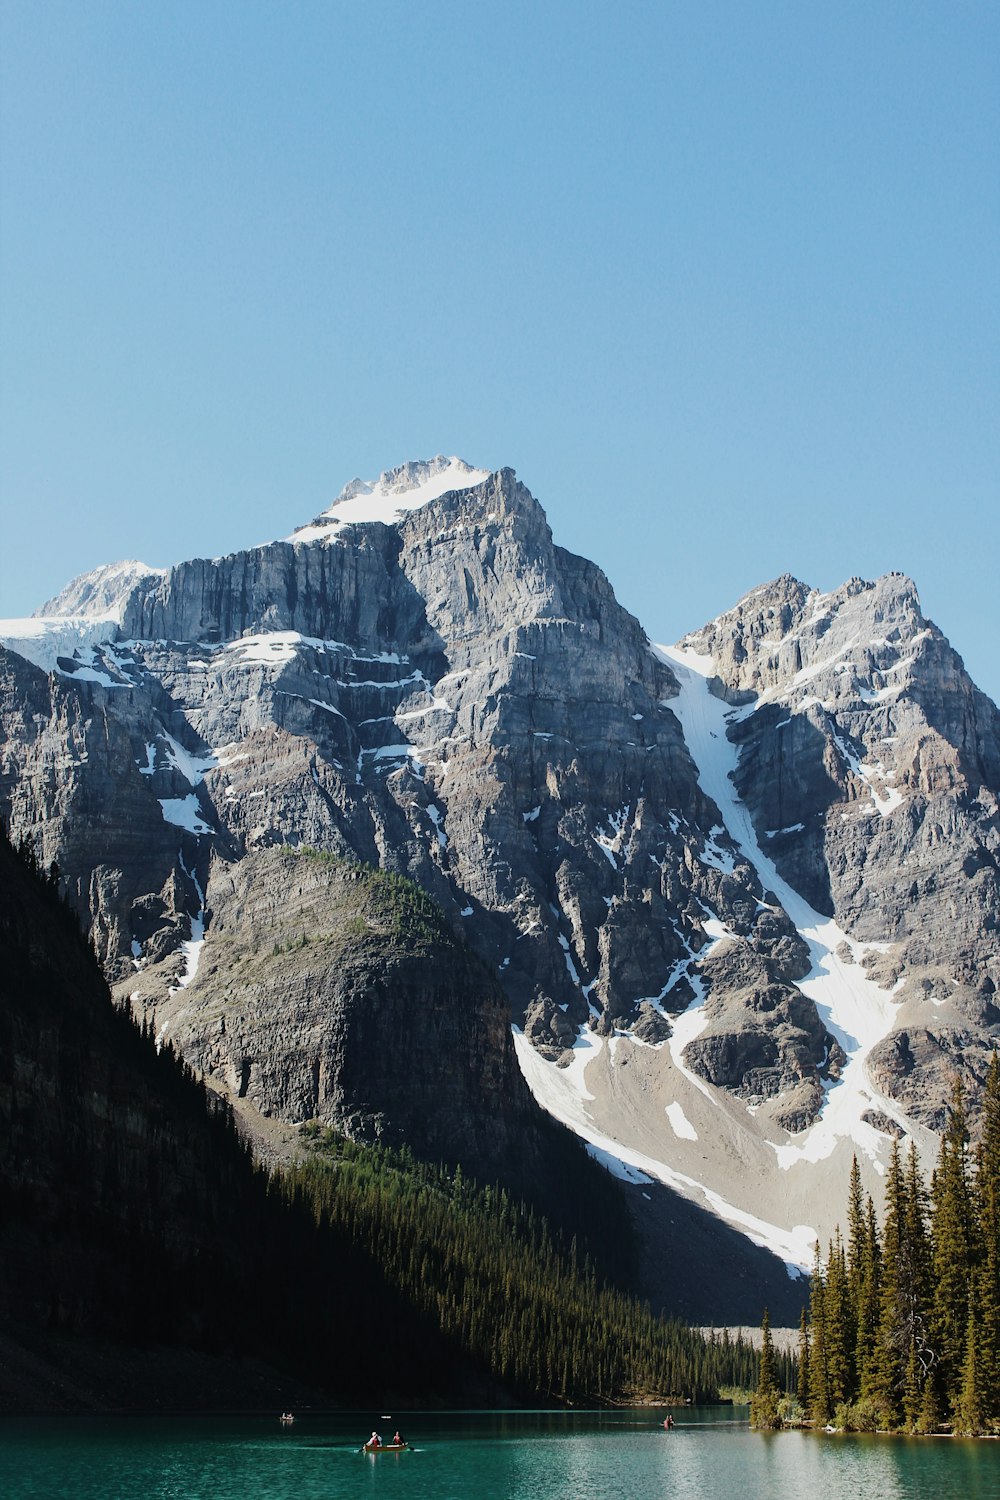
[407, 487]
[100, 594]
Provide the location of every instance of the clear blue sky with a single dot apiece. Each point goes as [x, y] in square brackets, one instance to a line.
[720, 280]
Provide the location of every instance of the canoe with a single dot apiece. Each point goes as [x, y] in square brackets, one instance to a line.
[385, 1447]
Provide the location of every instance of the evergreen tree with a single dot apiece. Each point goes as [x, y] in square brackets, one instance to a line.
[764, 1402]
[952, 1250]
[820, 1406]
[917, 1290]
[867, 1302]
[857, 1234]
[891, 1349]
[930, 1411]
[969, 1406]
[915, 1384]
[803, 1385]
[838, 1323]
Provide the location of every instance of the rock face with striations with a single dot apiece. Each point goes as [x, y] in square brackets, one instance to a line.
[423, 681]
[453, 697]
[329, 991]
[871, 765]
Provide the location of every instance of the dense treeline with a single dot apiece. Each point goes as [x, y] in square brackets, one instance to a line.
[495, 1279]
[904, 1326]
[132, 1213]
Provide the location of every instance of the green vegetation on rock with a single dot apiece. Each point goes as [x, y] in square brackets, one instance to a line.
[390, 904]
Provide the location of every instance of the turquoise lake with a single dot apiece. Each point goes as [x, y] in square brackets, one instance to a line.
[710, 1455]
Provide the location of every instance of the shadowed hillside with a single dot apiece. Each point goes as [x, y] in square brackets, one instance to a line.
[147, 1261]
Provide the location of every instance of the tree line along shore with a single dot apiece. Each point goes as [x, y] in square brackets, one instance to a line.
[903, 1328]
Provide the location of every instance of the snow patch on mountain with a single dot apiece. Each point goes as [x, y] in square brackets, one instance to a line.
[185, 813]
[886, 798]
[193, 947]
[615, 842]
[680, 1123]
[616, 1166]
[395, 491]
[86, 672]
[854, 1009]
[563, 1092]
[715, 856]
[191, 767]
[44, 640]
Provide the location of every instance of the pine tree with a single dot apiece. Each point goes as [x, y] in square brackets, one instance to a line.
[820, 1407]
[914, 1385]
[764, 1402]
[803, 1385]
[838, 1323]
[856, 1234]
[891, 1349]
[969, 1406]
[867, 1303]
[917, 1263]
[952, 1250]
[930, 1411]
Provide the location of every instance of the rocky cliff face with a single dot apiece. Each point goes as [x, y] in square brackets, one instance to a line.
[328, 991]
[871, 764]
[737, 894]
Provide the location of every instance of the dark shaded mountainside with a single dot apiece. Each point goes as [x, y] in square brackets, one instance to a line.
[132, 1214]
[147, 1261]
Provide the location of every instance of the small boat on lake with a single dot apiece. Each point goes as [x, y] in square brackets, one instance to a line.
[376, 1445]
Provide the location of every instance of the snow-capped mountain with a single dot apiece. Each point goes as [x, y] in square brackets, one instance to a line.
[83, 614]
[395, 492]
[100, 594]
[741, 893]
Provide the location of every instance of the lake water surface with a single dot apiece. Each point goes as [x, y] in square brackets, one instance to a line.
[710, 1455]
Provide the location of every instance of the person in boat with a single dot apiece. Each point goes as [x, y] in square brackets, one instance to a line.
[374, 1441]
[398, 1440]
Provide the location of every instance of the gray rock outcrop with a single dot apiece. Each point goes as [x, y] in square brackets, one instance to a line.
[327, 991]
[871, 765]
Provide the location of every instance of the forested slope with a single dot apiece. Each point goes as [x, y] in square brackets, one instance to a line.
[132, 1217]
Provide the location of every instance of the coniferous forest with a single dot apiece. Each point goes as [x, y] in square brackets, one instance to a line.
[903, 1333]
[494, 1278]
